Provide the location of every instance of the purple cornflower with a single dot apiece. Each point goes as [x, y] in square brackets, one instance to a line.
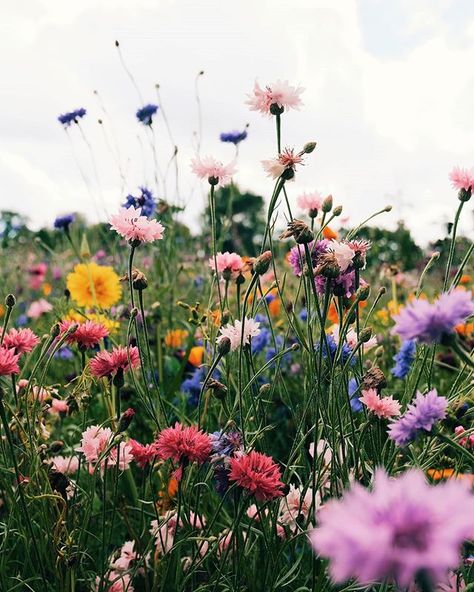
[63, 222]
[429, 323]
[145, 114]
[343, 285]
[404, 359]
[145, 201]
[233, 137]
[71, 117]
[422, 414]
[297, 258]
[401, 528]
[225, 443]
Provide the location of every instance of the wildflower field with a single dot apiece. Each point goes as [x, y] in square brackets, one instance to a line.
[282, 402]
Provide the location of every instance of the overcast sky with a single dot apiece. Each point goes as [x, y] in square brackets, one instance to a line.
[389, 99]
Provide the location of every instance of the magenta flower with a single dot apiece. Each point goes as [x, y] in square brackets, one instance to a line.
[214, 171]
[87, 335]
[462, 178]
[421, 415]
[275, 97]
[258, 474]
[428, 323]
[130, 224]
[396, 530]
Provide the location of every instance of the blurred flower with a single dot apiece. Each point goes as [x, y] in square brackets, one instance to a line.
[130, 224]
[164, 530]
[37, 274]
[145, 201]
[233, 137]
[145, 114]
[428, 323]
[466, 441]
[8, 362]
[236, 335]
[421, 415]
[38, 308]
[63, 222]
[94, 285]
[401, 528]
[258, 474]
[20, 340]
[330, 344]
[65, 464]
[279, 93]
[213, 170]
[354, 391]
[196, 355]
[404, 359]
[310, 203]
[295, 505]
[109, 363]
[382, 407]
[176, 338]
[71, 117]
[58, 406]
[126, 557]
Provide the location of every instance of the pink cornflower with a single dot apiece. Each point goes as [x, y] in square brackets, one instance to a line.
[234, 332]
[462, 178]
[226, 539]
[351, 339]
[183, 445]
[109, 363]
[286, 161]
[58, 406]
[466, 441]
[279, 94]
[258, 474]
[214, 171]
[96, 441]
[130, 224]
[38, 308]
[295, 505]
[230, 265]
[143, 454]
[392, 533]
[310, 202]
[37, 274]
[87, 335]
[117, 582]
[126, 557]
[164, 531]
[65, 464]
[8, 362]
[20, 340]
[343, 253]
[359, 246]
[383, 407]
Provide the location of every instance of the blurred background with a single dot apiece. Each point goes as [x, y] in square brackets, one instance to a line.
[389, 89]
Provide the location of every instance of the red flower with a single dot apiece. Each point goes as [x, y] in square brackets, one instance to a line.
[184, 444]
[258, 474]
[143, 454]
[108, 363]
[22, 340]
[8, 362]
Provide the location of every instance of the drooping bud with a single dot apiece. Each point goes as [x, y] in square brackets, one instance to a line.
[327, 204]
[218, 389]
[300, 231]
[125, 420]
[262, 263]
[363, 293]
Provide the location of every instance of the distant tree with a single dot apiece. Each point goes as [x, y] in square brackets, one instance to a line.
[393, 247]
[240, 221]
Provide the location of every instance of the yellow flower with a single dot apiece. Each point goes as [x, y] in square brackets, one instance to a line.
[110, 324]
[94, 285]
[176, 338]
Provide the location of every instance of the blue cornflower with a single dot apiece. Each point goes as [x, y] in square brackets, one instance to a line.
[260, 341]
[145, 201]
[145, 114]
[226, 443]
[404, 359]
[71, 117]
[354, 394]
[64, 353]
[345, 353]
[303, 315]
[63, 222]
[233, 137]
[22, 320]
[192, 385]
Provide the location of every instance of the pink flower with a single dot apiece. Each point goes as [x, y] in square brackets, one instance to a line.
[143, 454]
[383, 407]
[230, 265]
[130, 224]
[227, 538]
[58, 406]
[183, 444]
[466, 441]
[164, 530]
[462, 178]
[279, 94]
[258, 474]
[127, 555]
[109, 363]
[351, 339]
[213, 170]
[343, 253]
[87, 335]
[65, 464]
[117, 582]
[295, 504]
[20, 340]
[94, 444]
[38, 308]
[37, 274]
[8, 362]
[286, 161]
[310, 202]
[234, 332]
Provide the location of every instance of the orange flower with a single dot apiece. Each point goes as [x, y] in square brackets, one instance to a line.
[329, 233]
[332, 314]
[465, 329]
[215, 316]
[172, 487]
[465, 279]
[47, 289]
[274, 307]
[175, 338]
[195, 355]
[438, 474]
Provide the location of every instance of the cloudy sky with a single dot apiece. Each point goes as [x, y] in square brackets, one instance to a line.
[389, 94]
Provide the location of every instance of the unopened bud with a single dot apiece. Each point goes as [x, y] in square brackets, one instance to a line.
[327, 204]
[118, 380]
[363, 293]
[365, 335]
[223, 346]
[295, 347]
[55, 330]
[156, 311]
[387, 209]
[225, 318]
[134, 312]
[262, 263]
[337, 211]
[309, 147]
[264, 389]
[300, 231]
[218, 389]
[379, 352]
[85, 251]
[125, 420]
[10, 301]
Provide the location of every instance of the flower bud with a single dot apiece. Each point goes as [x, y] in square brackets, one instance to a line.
[365, 335]
[374, 379]
[301, 232]
[118, 380]
[85, 251]
[156, 311]
[337, 211]
[363, 293]
[218, 389]
[264, 389]
[134, 312]
[387, 209]
[55, 446]
[240, 279]
[10, 301]
[328, 266]
[309, 147]
[313, 213]
[262, 263]
[327, 204]
[465, 194]
[55, 330]
[225, 316]
[223, 346]
[125, 420]
[275, 109]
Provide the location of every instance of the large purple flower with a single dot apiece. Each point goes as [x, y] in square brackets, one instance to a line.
[422, 414]
[396, 530]
[428, 323]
